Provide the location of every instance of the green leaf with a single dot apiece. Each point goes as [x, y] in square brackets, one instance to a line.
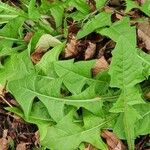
[75, 75]
[126, 70]
[125, 125]
[11, 29]
[15, 67]
[100, 3]
[10, 32]
[57, 12]
[76, 16]
[39, 114]
[129, 96]
[145, 59]
[32, 86]
[80, 5]
[101, 20]
[146, 7]
[142, 126]
[120, 28]
[32, 11]
[46, 64]
[7, 8]
[90, 95]
[48, 91]
[71, 134]
[35, 39]
[130, 4]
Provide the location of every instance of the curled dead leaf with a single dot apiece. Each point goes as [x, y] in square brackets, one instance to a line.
[115, 2]
[101, 65]
[90, 147]
[37, 137]
[90, 51]
[46, 41]
[1, 89]
[144, 33]
[37, 55]
[141, 1]
[70, 49]
[108, 9]
[118, 16]
[112, 141]
[21, 146]
[4, 142]
[28, 36]
[148, 95]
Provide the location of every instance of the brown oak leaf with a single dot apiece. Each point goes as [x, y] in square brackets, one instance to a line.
[101, 65]
[113, 141]
[90, 51]
[144, 33]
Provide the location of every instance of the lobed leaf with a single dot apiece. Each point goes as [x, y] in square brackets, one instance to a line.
[126, 70]
[101, 20]
[71, 134]
[17, 66]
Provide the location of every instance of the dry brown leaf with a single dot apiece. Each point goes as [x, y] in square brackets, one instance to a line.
[28, 36]
[101, 65]
[37, 55]
[1, 89]
[4, 143]
[109, 9]
[70, 49]
[144, 33]
[112, 141]
[141, 1]
[115, 2]
[37, 136]
[90, 51]
[90, 147]
[118, 16]
[21, 146]
[45, 42]
[148, 95]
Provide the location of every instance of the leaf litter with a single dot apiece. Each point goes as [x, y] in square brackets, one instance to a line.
[85, 63]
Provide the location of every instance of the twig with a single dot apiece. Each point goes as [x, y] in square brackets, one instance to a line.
[5, 101]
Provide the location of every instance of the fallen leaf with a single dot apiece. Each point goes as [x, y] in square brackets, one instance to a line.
[141, 1]
[101, 65]
[90, 51]
[46, 41]
[90, 147]
[112, 141]
[37, 137]
[115, 2]
[148, 95]
[1, 89]
[37, 55]
[144, 33]
[118, 16]
[28, 36]
[70, 49]
[4, 143]
[21, 146]
[141, 144]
